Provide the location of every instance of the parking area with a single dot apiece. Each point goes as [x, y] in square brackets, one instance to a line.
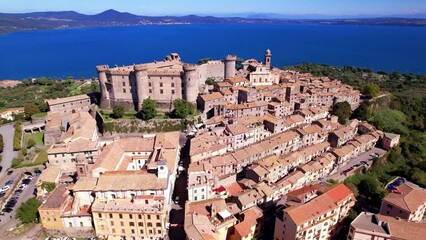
[18, 187]
[349, 168]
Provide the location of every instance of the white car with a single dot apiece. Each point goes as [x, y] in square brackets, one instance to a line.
[29, 177]
[22, 186]
[5, 188]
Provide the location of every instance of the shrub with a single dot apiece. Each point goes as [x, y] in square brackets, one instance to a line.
[31, 143]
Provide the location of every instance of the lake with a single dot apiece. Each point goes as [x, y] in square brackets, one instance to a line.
[76, 52]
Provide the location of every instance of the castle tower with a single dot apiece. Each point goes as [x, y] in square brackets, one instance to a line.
[142, 86]
[190, 79]
[105, 99]
[230, 66]
[268, 58]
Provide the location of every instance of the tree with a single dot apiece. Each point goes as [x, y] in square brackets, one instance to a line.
[29, 110]
[31, 143]
[390, 120]
[342, 110]
[210, 81]
[148, 110]
[182, 108]
[117, 111]
[28, 210]
[204, 60]
[363, 112]
[371, 90]
[48, 186]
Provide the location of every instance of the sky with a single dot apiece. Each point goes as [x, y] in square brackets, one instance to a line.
[222, 7]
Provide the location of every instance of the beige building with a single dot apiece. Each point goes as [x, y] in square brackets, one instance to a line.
[380, 227]
[53, 207]
[69, 105]
[249, 226]
[316, 218]
[407, 202]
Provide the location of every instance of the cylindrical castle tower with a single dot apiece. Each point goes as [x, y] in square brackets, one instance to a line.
[105, 99]
[230, 66]
[141, 73]
[190, 79]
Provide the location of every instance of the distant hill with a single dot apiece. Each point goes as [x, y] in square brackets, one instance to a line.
[12, 22]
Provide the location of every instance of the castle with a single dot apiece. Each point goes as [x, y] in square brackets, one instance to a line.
[163, 81]
[167, 80]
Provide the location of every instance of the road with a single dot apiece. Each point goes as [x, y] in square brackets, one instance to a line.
[363, 157]
[8, 220]
[8, 131]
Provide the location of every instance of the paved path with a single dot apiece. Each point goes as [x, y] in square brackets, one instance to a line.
[8, 131]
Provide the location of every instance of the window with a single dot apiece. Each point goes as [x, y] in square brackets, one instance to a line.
[133, 231]
[81, 224]
[161, 84]
[150, 90]
[140, 224]
[70, 224]
[120, 216]
[173, 85]
[139, 216]
[158, 224]
[141, 231]
[123, 231]
[130, 215]
[146, 201]
[149, 224]
[159, 231]
[112, 223]
[122, 223]
[173, 91]
[131, 224]
[161, 91]
[113, 230]
[158, 217]
[150, 231]
[100, 215]
[110, 215]
[124, 90]
[149, 216]
[124, 84]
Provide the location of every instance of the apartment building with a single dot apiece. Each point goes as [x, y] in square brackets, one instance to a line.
[69, 105]
[408, 202]
[316, 218]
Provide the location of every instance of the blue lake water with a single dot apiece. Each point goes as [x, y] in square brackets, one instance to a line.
[76, 52]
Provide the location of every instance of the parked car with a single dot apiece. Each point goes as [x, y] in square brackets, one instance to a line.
[9, 172]
[29, 177]
[7, 210]
[26, 181]
[22, 186]
[5, 188]
[8, 183]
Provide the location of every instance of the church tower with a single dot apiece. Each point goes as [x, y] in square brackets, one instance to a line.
[268, 58]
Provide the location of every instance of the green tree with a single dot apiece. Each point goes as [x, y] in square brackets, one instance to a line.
[31, 143]
[363, 112]
[204, 60]
[390, 120]
[371, 90]
[30, 109]
[210, 81]
[117, 111]
[48, 186]
[342, 110]
[148, 110]
[28, 211]
[182, 108]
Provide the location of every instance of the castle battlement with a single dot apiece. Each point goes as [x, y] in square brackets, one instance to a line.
[231, 58]
[101, 68]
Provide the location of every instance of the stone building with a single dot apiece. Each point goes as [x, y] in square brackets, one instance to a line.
[69, 105]
[163, 81]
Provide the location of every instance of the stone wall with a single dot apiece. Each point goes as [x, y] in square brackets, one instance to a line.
[136, 127]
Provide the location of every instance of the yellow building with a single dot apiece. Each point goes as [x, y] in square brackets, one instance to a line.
[53, 207]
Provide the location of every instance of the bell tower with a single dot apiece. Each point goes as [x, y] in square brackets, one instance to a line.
[268, 58]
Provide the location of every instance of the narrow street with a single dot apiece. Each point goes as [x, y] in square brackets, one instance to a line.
[177, 214]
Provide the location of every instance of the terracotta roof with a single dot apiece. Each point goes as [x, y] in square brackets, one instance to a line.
[212, 96]
[233, 188]
[130, 181]
[407, 197]
[251, 218]
[56, 198]
[67, 99]
[320, 205]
